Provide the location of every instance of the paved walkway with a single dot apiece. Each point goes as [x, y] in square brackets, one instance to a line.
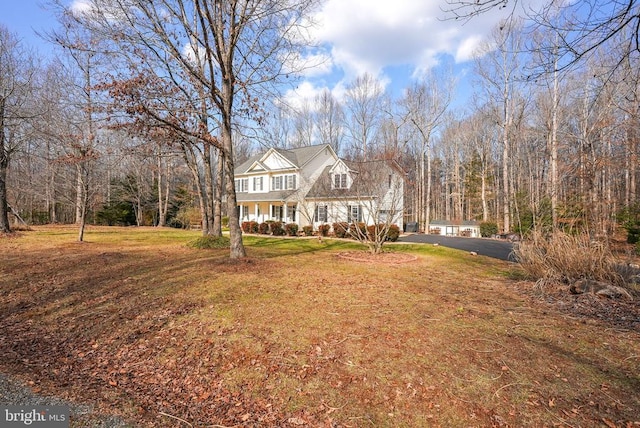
[498, 249]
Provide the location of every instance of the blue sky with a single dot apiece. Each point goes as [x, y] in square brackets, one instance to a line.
[396, 41]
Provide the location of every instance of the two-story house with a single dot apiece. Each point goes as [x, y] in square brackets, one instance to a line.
[312, 185]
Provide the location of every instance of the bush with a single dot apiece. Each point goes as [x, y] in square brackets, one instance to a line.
[341, 229]
[629, 218]
[358, 230]
[564, 258]
[276, 228]
[633, 234]
[374, 232]
[263, 228]
[118, 214]
[210, 242]
[291, 229]
[323, 229]
[249, 227]
[307, 230]
[393, 233]
[488, 228]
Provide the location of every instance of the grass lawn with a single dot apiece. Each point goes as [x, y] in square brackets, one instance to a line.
[141, 325]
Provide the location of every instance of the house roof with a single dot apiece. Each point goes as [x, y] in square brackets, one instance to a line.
[276, 196]
[298, 157]
[370, 179]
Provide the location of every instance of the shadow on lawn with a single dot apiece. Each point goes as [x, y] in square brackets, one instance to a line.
[284, 247]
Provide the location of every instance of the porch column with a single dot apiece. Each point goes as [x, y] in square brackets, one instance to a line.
[255, 212]
[285, 212]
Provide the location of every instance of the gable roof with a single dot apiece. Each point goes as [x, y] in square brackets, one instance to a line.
[298, 157]
[364, 175]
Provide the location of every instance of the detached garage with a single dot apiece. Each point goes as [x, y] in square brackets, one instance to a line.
[469, 229]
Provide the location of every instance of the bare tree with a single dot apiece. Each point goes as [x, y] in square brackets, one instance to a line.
[242, 45]
[425, 104]
[16, 79]
[499, 72]
[329, 118]
[303, 125]
[363, 104]
[582, 27]
[363, 198]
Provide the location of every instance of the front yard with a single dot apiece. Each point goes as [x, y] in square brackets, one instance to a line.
[142, 326]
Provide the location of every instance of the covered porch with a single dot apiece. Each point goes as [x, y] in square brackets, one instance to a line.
[262, 211]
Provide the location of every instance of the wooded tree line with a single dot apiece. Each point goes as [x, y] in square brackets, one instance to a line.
[142, 115]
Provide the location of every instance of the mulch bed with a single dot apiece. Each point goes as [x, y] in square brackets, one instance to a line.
[618, 313]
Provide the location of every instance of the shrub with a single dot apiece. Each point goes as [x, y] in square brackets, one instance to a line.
[323, 229]
[263, 228]
[629, 217]
[249, 227]
[307, 230]
[564, 258]
[358, 230]
[633, 234]
[374, 232]
[393, 233]
[488, 228]
[291, 229]
[341, 229]
[210, 242]
[276, 228]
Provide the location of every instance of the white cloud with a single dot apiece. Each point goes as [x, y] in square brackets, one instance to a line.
[374, 36]
[468, 48]
[80, 7]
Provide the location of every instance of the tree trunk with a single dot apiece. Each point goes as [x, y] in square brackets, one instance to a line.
[209, 192]
[5, 227]
[554, 148]
[217, 197]
[162, 208]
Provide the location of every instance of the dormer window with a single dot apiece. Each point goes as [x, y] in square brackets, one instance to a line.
[339, 181]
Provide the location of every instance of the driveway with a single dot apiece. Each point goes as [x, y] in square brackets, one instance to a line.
[495, 248]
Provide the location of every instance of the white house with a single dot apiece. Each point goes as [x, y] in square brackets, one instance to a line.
[312, 186]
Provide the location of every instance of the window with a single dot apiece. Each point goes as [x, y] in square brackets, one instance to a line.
[276, 212]
[320, 214]
[290, 182]
[291, 213]
[276, 183]
[257, 184]
[340, 181]
[243, 212]
[354, 214]
[283, 182]
[242, 185]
